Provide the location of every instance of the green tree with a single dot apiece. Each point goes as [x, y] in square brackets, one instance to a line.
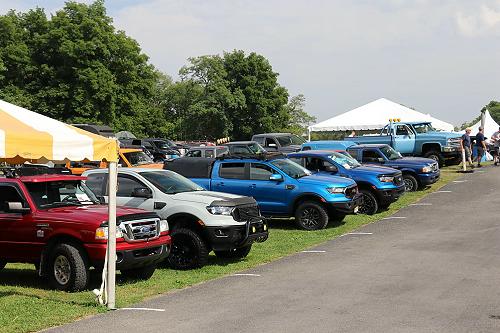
[299, 120]
[494, 109]
[75, 67]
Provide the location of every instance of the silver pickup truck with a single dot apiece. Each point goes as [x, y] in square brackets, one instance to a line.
[200, 221]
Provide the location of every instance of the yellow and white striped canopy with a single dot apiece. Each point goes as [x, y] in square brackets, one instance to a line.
[27, 135]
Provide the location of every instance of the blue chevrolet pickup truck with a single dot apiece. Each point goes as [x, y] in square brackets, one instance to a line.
[417, 171]
[281, 187]
[379, 186]
[417, 139]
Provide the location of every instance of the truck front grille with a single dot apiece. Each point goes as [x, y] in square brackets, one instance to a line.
[246, 213]
[140, 230]
[351, 191]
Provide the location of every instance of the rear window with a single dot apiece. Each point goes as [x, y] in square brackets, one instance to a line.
[232, 170]
[96, 182]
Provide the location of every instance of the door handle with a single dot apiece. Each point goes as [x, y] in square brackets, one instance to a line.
[220, 184]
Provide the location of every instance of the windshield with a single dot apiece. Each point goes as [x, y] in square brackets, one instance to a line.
[161, 145]
[137, 158]
[423, 128]
[256, 148]
[170, 182]
[390, 153]
[61, 193]
[345, 160]
[291, 168]
[290, 140]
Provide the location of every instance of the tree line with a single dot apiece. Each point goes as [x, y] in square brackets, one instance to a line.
[77, 68]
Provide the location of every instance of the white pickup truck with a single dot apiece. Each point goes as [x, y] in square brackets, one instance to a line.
[200, 221]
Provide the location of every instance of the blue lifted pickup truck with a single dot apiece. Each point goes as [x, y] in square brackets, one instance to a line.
[417, 139]
[379, 186]
[281, 187]
[417, 171]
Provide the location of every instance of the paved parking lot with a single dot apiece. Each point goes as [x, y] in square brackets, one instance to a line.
[432, 267]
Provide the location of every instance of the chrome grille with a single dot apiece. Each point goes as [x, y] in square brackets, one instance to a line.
[139, 230]
[351, 191]
[246, 213]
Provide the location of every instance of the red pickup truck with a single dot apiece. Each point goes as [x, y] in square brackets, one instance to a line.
[56, 223]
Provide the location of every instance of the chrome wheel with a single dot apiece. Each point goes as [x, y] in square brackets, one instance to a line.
[62, 270]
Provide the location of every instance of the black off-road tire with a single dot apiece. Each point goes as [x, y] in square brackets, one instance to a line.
[369, 206]
[67, 268]
[311, 215]
[411, 183]
[436, 156]
[188, 250]
[238, 253]
[141, 273]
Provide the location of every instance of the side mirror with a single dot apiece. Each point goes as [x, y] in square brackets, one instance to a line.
[142, 192]
[17, 207]
[276, 177]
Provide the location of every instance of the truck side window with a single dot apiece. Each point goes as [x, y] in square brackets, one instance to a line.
[232, 170]
[209, 153]
[354, 153]
[260, 171]
[315, 164]
[9, 194]
[297, 160]
[402, 130]
[126, 186]
[270, 141]
[260, 140]
[370, 156]
[96, 182]
[194, 153]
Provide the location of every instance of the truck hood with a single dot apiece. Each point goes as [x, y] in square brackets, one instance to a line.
[91, 214]
[323, 179]
[440, 135]
[291, 149]
[371, 170]
[412, 162]
[209, 197]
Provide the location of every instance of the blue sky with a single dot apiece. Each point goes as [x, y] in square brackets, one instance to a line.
[440, 57]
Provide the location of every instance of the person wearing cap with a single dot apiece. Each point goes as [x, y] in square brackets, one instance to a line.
[466, 146]
[480, 145]
[496, 142]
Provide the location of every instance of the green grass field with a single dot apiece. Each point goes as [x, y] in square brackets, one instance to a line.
[26, 305]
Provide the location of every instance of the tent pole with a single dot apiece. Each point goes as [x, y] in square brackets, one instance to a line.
[112, 187]
[483, 118]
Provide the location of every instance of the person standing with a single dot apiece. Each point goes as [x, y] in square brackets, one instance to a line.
[496, 142]
[466, 146]
[480, 145]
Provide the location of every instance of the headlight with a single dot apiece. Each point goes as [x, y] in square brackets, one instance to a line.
[163, 225]
[220, 210]
[102, 233]
[426, 169]
[335, 190]
[386, 179]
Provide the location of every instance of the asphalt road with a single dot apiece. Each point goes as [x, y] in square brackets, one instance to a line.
[433, 269]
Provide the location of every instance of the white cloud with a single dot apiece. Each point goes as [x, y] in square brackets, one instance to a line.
[484, 21]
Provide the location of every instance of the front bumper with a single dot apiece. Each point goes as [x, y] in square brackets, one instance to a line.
[232, 237]
[348, 207]
[132, 255]
[391, 195]
[429, 178]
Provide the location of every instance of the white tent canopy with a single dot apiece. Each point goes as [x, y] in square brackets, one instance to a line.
[490, 126]
[376, 115]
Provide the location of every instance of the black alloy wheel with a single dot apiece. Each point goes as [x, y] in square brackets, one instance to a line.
[311, 215]
[369, 206]
[188, 250]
